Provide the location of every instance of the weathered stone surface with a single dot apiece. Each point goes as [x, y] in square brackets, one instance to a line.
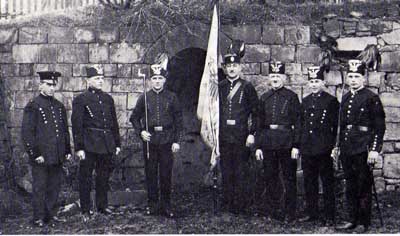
[110, 69]
[132, 99]
[251, 68]
[377, 172]
[378, 26]
[98, 53]
[388, 147]
[379, 162]
[107, 85]
[142, 33]
[333, 78]
[282, 53]
[392, 37]
[273, 34]
[61, 35]
[6, 48]
[363, 26]
[41, 67]
[73, 53]
[8, 36]
[392, 114]
[332, 28]
[391, 166]
[355, 43]
[375, 79]
[257, 53]
[66, 98]
[122, 115]
[392, 82]
[127, 85]
[84, 35]
[13, 83]
[297, 79]
[6, 57]
[397, 146]
[124, 53]
[293, 69]
[108, 35]
[25, 69]
[9, 70]
[380, 184]
[32, 35]
[48, 53]
[21, 98]
[390, 61]
[124, 70]
[392, 131]
[64, 69]
[264, 68]
[390, 99]
[26, 53]
[73, 84]
[248, 33]
[308, 54]
[390, 188]
[297, 34]
[120, 100]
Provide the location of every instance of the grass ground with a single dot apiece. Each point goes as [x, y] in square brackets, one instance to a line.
[195, 216]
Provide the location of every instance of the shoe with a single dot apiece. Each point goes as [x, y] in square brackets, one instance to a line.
[58, 219]
[361, 229]
[106, 211]
[38, 223]
[308, 219]
[85, 217]
[347, 225]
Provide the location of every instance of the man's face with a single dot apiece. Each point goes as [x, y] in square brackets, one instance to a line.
[355, 80]
[47, 87]
[316, 85]
[96, 82]
[276, 80]
[157, 82]
[233, 69]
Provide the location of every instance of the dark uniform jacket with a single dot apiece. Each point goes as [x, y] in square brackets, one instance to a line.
[94, 122]
[362, 123]
[234, 114]
[164, 116]
[319, 117]
[282, 108]
[45, 130]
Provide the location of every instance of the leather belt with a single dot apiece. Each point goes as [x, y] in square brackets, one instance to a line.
[279, 127]
[358, 127]
[159, 128]
[99, 129]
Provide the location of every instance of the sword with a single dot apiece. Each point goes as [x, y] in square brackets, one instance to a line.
[376, 195]
[140, 74]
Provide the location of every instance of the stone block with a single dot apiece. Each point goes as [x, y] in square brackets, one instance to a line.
[282, 53]
[127, 85]
[145, 69]
[379, 162]
[297, 34]
[257, 53]
[79, 70]
[265, 68]
[392, 114]
[390, 61]
[250, 34]
[13, 83]
[388, 147]
[392, 132]
[98, 53]
[380, 184]
[110, 69]
[375, 79]
[260, 82]
[122, 115]
[48, 53]
[21, 98]
[364, 26]
[40, 67]
[293, 69]
[124, 53]
[26, 69]
[15, 120]
[6, 57]
[32, 83]
[297, 80]
[32, 35]
[390, 99]
[6, 48]
[26, 53]
[391, 166]
[355, 43]
[64, 69]
[107, 85]
[378, 26]
[308, 54]
[120, 100]
[332, 28]
[377, 172]
[273, 34]
[8, 35]
[84, 35]
[132, 99]
[392, 37]
[392, 82]
[124, 70]
[8, 70]
[61, 35]
[65, 98]
[390, 188]
[72, 84]
[251, 68]
[397, 146]
[72, 53]
[333, 78]
[108, 35]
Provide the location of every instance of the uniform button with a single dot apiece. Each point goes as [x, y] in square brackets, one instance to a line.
[310, 131]
[310, 123]
[349, 111]
[312, 114]
[351, 101]
[56, 130]
[104, 131]
[345, 139]
[100, 102]
[57, 135]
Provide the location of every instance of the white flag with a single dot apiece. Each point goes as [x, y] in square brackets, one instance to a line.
[208, 106]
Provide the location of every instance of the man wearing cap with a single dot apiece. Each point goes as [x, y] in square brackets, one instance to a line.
[46, 139]
[96, 138]
[278, 141]
[361, 139]
[238, 102]
[164, 120]
[319, 114]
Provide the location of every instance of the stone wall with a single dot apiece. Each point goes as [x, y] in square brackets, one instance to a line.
[26, 50]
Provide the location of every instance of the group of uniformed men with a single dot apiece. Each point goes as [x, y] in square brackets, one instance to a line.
[280, 130]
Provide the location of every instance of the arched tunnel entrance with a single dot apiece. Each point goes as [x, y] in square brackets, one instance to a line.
[185, 71]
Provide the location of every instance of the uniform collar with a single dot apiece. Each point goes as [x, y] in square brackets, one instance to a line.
[158, 91]
[46, 97]
[354, 92]
[277, 90]
[232, 81]
[316, 95]
[94, 90]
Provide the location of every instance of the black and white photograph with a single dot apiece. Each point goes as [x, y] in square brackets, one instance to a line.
[199, 117]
